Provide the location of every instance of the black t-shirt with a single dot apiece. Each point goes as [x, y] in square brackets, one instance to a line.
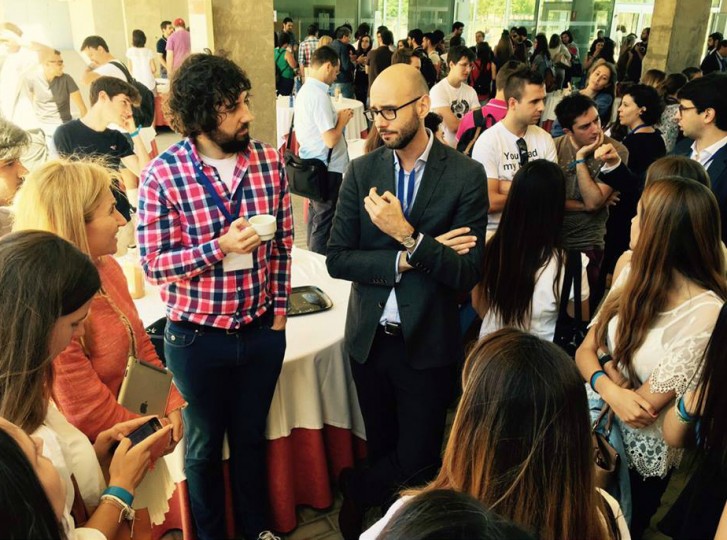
[75, 138]
[162, 47]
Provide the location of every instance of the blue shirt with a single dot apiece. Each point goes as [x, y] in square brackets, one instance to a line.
[391, 309]
[314, 115]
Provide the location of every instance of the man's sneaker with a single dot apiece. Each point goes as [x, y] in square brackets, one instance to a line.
[267, 535]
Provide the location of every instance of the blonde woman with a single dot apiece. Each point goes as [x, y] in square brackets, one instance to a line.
[73, 199]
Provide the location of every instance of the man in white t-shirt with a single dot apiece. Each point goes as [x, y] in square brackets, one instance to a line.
[452, 97]
[102, 61]
[512, 142]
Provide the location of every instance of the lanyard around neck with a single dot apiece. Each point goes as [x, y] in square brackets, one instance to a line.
[637, 128]
[207, 183]
[406, 197]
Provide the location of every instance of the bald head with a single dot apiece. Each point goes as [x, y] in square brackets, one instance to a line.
[398, 83]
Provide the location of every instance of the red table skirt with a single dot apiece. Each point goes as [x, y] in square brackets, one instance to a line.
[159, 118]
[301, 470]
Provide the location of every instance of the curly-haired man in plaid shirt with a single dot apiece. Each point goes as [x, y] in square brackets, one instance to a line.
[226, 291]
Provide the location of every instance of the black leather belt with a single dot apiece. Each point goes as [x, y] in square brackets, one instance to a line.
[391, 328]
[264, 320]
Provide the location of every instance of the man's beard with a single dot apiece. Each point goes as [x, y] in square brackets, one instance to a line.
[407, 133]
[231, 144]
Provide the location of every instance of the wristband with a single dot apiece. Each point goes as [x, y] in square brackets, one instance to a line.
[577, 161]
[595, 377]
[119, 493]
[604, 359]
[135, 132]
[682, 413]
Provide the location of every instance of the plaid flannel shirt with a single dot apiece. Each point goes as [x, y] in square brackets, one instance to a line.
[180, 226]
[305, 50]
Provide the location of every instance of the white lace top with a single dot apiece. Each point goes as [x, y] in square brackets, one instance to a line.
[668, 359]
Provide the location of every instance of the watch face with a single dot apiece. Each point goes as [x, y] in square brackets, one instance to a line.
[409, 242]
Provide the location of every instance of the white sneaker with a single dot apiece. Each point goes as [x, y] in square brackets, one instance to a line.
[267, 535]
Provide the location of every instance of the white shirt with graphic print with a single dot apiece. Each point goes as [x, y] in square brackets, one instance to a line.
[497, 150]
[460, 101]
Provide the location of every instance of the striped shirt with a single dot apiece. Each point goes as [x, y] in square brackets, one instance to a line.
[180, 226]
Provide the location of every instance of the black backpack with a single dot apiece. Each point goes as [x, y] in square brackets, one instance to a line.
[144, 113]
[429, 72]
[469, 137]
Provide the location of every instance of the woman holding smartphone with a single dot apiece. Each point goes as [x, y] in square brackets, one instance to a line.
[89, 372]
[38, 318]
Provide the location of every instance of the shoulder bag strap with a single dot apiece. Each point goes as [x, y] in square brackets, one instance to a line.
[565, 289]
[123, 68]
[290, 132]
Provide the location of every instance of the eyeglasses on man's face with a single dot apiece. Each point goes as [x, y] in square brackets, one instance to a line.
[682, 108]
[388, 113]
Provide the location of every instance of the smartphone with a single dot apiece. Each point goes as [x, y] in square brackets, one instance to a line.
[142, 432]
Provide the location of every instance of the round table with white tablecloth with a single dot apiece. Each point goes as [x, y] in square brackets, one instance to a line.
[551, 101]
[355, 129]
[314, 424]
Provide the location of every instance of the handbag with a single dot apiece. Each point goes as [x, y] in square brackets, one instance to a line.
[571, 331]
[605, 456]
[306, 177]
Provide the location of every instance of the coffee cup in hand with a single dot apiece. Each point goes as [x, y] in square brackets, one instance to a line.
[265, 226]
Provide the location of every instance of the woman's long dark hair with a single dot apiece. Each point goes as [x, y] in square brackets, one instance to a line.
[525, 242]
[712, 402]
[541, 46]
[25, 511]
[521, 439]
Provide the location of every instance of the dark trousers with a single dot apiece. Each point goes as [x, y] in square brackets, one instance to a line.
[593, 271]
[404, 410]
[228, 381]
[645, 499]
[320, 216]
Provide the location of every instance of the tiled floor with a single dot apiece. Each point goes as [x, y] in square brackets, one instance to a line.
[323, 525]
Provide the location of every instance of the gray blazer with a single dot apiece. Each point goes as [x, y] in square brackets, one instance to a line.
[452, 193]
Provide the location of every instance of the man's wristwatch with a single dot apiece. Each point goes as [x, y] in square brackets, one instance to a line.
[410, 241]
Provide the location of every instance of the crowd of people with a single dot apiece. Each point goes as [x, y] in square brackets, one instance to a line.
[588, 253]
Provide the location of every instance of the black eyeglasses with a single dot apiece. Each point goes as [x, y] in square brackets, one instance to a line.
[682, 108]
[389, 113]
[522, 148]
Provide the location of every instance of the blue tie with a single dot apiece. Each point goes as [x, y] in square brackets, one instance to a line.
[406, 197]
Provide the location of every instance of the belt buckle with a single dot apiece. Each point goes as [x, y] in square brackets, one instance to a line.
[392, 329]
[232, 331]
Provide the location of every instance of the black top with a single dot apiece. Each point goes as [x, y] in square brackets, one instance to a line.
[76, 138]
[644, 149]
[162, 47]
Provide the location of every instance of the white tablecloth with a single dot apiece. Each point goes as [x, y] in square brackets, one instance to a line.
[354, 129]
[315, 385]
[356, 148]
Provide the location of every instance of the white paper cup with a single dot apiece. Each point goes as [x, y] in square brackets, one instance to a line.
[265, 226]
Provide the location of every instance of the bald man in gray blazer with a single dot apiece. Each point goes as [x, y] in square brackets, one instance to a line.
[409, 233]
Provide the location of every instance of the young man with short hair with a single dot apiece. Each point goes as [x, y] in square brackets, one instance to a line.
[167, 29]
[111, 102]
[497, 106]
[515, 140]
[457, 31]
[588, 195]
[226, 293]
[288, 29]
[715, 61]
[102, 61]
[179, 46]
[344, 80]
[306, 49]
[51, 92]
[319, 129]
[452, 97]
[380, 57]
[702, 117]
[13, 143]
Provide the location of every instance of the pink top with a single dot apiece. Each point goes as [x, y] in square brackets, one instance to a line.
[496, 107]
[180, 45]
[88, 379]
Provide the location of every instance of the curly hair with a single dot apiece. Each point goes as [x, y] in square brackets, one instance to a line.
[204, 86]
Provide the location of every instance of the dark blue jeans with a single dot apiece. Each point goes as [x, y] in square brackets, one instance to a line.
[228, 381]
